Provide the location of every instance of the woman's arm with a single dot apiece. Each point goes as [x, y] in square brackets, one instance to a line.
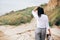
[49, 32]
[35, 13]
[47, 25]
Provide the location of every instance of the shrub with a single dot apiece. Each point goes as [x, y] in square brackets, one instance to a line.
[50, 24]
[57, 22]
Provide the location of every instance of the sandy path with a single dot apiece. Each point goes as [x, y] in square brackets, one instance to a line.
[23, 32]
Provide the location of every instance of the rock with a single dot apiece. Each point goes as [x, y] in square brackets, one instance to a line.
[52, 4]
[1, 34]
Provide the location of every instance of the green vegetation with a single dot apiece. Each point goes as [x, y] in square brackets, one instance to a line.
[17, 17]
[57, 21]
[43, 5]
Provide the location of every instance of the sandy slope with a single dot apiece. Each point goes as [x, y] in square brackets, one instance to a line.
[23, 32]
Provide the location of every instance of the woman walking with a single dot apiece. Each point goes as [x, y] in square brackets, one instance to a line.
[42, 23]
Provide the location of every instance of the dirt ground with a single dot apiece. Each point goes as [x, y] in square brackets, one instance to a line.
[24, 32]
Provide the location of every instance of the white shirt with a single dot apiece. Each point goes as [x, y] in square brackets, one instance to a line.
[42, 22]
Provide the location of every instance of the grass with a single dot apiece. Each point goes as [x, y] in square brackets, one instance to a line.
[17, 17]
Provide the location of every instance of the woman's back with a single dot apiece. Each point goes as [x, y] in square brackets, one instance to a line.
[42, 21]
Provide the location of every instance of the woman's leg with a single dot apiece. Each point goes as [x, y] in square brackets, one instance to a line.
[37, 34]
[40, 34]
[43, 33]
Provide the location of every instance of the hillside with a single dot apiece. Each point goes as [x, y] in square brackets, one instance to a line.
[52, 4]
[24, 16]
[52, 9]
[17, 17]
[54, 15]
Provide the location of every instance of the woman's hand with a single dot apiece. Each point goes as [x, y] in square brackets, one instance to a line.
[49, 32]
[35, 8]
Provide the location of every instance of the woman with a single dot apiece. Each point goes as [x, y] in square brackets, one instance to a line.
[42, 23]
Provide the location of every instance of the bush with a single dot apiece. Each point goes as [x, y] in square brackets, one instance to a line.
[50, 24]
[57, 22]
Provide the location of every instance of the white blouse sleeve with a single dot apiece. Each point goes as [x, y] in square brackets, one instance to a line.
[47, 23]
[35, 14]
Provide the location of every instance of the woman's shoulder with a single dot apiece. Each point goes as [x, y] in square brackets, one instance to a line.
[45, 16]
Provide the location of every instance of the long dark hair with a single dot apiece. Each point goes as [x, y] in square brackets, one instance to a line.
[40, 11]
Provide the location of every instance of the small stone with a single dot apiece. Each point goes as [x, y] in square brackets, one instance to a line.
[1, 34]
